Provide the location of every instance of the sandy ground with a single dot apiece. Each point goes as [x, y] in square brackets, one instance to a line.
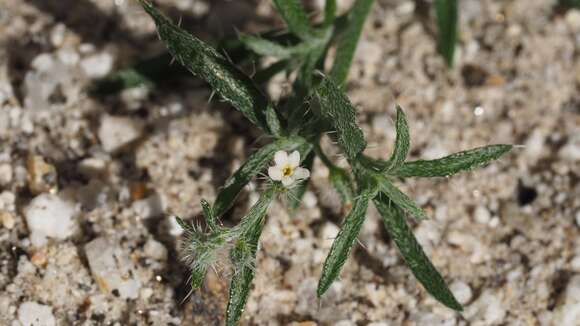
[87, 183]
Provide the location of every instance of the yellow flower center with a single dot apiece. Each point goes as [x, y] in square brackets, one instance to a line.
[287, 170]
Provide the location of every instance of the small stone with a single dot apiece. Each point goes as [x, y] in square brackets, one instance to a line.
[568, 313]
[573, 19]
[174, 227]
[578, 218]
[7, 219]
[34, 314]
[42, 176]
[571, 151]
[5, 174]
[39, 258]
[151, 206]
[92, 167]
[155, 249]
[462, 291]
[50, 216]
[482, 215]
[97, 65]
[328, 234]
[309, 199]
[111, 268]
[116, 132]
[575, 263]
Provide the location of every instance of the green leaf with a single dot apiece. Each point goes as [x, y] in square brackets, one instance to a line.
[399, 198]
[569, 3]
[184, 226]
[295, 17]
[452, 164]
[402, 143]
[394, 220]
[296, 193]
[342, 245]
[339, 178]
[243, 257]
[205, 62]
[268, 48]
[348, 40]
[336, 108]
[210, 218]
[447, 15]
[273, 121]
[251, 167]
[329, 13]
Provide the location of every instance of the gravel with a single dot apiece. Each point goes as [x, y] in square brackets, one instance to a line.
[88, 184]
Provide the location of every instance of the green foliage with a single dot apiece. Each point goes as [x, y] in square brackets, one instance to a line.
[569, 3]
[394, 221]
[447, 16]
[317, 106]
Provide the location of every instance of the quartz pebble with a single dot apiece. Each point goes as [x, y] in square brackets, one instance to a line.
[568, 313]
[5, 174]
[7, 219]
[112, 268]
[155, 250]
[116, 132]
[34, 314]
[462, 291]
[50, 216]
[97, 65]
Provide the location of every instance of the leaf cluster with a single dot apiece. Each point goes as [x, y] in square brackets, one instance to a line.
[318, 105]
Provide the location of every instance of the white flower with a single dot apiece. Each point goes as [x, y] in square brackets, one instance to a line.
[286, 169]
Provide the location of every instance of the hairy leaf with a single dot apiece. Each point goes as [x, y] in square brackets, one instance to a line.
[454, 163]
[329, 13]
[336, 108]
[243, 257]
[447, 15]
[251, 167]
[402, 143]
[348, 40]
[295, 17]
[205, 62]
[268, 48]
[399, 198]
[394, 220]
[210, 218]
[344, 241]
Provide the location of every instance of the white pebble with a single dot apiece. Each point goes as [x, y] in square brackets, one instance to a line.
[50, 216]
[5, 174]
[112, 268]
[34, 314]
[482, 215]
[155, 250]
[97, 65]
[571, 151]
[116, 132]
[462, 291]
[151, 206]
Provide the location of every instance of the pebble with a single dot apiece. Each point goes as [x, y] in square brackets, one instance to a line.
[149, 207]
[42, 176]
[155, 249]
[5, 174]
[92, 167]
[50, 216]
[7, 219]
[112, 268]
[462, 291]
[482, 215]
[578, 218]
[571, 151]
[116, 132]
[97, 65]
[488, 307]
[34, 314]
[568, 313]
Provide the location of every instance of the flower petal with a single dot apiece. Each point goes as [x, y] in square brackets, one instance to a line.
[275, 173]
[294, 159]
[288, 181]
[301, 173]
[281, 158]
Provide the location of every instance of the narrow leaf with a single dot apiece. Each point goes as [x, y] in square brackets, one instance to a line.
[295, 17]
[402, 143]
[447, 15]
[345, 240]
[253, 165]
[339, 178]
[454, 163]
[273, 121]
[329, 13]
[394, 220]
[268, 48]
[348, 40]
[243, 257]
[399, 198]
[205, 62]
[210, 218]
[336, 108]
